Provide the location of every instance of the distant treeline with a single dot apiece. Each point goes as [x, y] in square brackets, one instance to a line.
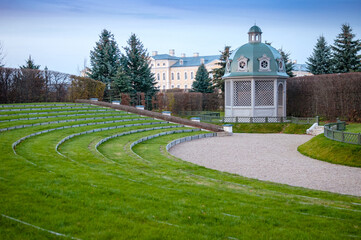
[327, 95]
[32, 85]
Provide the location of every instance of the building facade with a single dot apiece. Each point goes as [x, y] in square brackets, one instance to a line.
[255, 80]
[172, 72]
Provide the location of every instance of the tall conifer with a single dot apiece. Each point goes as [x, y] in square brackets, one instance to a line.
[135, 64]
[104, 59]
[320, 61]
[30, 64]
[345, 51]
[219, 72]
[287, 61]
[202, 83]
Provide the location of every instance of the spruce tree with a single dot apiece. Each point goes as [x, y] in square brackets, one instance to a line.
[30, 64]
[320, 61]
[345, 51]
[202, 83]
[219, 72]
[104, 59]
[122, 82]
[135, 65]
[288, 62]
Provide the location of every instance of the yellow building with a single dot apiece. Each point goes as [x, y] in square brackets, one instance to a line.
[179, 72]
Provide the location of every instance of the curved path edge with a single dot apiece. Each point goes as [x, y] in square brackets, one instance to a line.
[270, 157]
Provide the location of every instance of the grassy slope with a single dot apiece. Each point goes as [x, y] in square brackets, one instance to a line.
[325, 149]
[122, 196]
[289, 128]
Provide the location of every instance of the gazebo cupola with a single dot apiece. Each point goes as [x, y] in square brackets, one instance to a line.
[254, 35]
[255, 80]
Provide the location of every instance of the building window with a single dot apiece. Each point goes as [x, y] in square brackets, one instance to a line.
[181, 62]
[280, 65]
[163, 64]
[163, 87]
[185, 76]
[158, 76]
[178, 76]
[185, 86]
[172, 76]
[192, 75]
[164, 76]
[228, 65]
[264, 93]
[241, 93]
[158, 64]
[264, 63]
[178, 86]
[242, 64]
[172, 86]
[280, 95]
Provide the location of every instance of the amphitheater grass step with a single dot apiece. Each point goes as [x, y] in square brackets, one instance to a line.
[153, 195]
[74, 119]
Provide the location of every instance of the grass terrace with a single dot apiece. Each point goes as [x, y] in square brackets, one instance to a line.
[328, 150]
[79, 189]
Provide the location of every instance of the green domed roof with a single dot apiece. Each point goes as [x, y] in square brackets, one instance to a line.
[255, 29]
[253, 54]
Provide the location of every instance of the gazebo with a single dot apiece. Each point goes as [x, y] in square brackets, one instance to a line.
[255, 80]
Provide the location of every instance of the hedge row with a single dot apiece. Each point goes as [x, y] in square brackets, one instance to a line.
[328, 95]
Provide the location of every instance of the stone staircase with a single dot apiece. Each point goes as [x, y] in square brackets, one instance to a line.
[315, 130]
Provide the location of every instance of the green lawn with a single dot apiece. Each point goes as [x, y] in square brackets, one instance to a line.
[288, 128]
[353, 127]
[116, 194]
[328, 150]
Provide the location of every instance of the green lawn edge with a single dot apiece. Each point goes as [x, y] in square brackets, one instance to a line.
[324, 149]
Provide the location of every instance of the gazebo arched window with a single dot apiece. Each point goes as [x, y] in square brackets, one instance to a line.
[280, 94]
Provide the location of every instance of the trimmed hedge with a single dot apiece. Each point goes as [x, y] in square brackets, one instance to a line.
[327, 95]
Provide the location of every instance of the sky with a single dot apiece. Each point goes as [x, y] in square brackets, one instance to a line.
[60, 34]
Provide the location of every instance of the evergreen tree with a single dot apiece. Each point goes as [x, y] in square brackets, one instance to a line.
[30, 64]
[320, 61]
[219, 72]
[135, 65]
[345, 51]
[202, 83]
[104, 59]
[288, 62]
[122, 82]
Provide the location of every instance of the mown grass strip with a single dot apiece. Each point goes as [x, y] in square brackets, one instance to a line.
[328, 150]
[5, 121]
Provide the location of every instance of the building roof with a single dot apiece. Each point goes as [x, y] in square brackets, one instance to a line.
[165, 57]
[300, 67]
[195, 61]
[251, 55]
[255, 29]
[187, 61]
[254, 51]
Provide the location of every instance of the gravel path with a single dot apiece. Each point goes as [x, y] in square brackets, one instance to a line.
[270, 157]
